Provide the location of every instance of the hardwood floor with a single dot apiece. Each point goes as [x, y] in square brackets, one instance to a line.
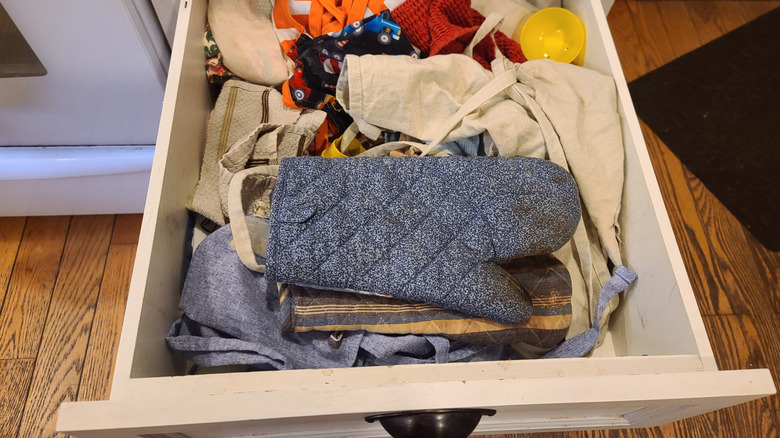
[63, 280]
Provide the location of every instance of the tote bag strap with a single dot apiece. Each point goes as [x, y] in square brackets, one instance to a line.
[492, 88]
[501, 81]
[237, 214]
[488, 27]
[349, 134]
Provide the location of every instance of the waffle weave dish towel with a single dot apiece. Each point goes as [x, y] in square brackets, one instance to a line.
[440, 27]
[423, 229]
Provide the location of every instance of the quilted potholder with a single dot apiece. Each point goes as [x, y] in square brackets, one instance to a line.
[422, 229]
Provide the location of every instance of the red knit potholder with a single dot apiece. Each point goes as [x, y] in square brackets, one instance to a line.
[448, 26]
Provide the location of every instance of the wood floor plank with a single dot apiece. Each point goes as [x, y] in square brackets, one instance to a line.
[734, 15]
[735, 272]
[773, 273]
[757, 8]
[715, 18]
[651, 33]
[127, 228]
[572, 434]
[767, 356]
[768, 264]
[31, 285]
[679, 26]
[635, 433]
[63, 346]
[736, 345]
[107, 324]
[731, 15]
[701, 426]
[631, 53]
[11, 229]
[15, 377]
[705, 15]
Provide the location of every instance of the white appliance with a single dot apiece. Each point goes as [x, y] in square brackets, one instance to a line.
[80, 139]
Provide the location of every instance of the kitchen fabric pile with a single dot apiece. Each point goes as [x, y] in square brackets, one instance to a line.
[392, 182]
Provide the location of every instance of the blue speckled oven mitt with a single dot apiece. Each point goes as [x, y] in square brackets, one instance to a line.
[423, 229]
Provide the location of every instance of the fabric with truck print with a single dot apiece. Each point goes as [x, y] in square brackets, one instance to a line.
[318, 60]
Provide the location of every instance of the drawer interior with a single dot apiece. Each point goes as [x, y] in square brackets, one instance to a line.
[657, 318]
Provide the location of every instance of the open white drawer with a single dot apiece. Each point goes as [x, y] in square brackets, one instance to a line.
[656, 366]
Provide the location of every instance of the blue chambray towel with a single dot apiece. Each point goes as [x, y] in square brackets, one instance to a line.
[233, 316]
[422, 229]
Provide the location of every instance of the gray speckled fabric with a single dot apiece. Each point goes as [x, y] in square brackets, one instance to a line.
[422, 229]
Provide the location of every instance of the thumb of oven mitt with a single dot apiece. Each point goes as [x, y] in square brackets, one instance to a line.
[423, 229]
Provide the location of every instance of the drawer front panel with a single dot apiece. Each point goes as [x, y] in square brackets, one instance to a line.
[522, 405]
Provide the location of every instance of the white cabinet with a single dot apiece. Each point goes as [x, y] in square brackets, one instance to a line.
[656, 366]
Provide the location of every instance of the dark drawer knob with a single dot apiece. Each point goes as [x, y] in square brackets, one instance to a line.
[436, 423]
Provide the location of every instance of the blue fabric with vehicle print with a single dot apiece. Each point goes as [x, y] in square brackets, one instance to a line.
[318, 61]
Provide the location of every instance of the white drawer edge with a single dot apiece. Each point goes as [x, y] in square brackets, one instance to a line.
[670, 242]
[152, 214]
[513, 398]
[205, 384]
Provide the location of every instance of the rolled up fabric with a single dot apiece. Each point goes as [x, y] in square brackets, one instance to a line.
[544, 278]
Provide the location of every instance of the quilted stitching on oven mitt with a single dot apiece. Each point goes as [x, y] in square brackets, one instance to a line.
[423, 229]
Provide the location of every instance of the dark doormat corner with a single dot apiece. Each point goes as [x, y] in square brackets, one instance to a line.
[718, 109]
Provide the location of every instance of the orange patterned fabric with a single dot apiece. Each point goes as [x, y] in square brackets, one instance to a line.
[439, 27]
[317, 17]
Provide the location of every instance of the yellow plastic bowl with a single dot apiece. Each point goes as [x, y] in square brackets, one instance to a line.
[333, 149]
[553, 33]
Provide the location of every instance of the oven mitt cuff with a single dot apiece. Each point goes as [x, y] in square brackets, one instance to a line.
[423, 229]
